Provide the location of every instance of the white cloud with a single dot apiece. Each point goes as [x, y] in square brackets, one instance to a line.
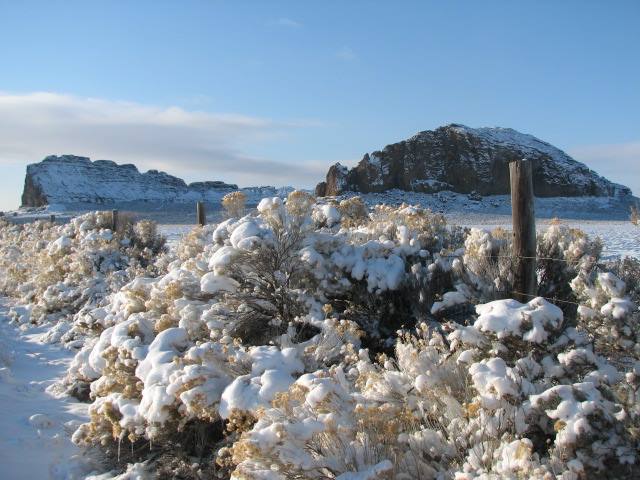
[287, 22]
[346, 53]
[192, 144]
[619, 162]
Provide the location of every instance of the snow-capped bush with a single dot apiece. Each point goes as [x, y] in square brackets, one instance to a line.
[353, 212]
[234, 203]
[213, 339]
[308, 340]
[58, 272]
[563, 253]
[518, 394]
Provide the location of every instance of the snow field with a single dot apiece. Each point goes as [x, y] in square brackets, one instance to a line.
[37, 420]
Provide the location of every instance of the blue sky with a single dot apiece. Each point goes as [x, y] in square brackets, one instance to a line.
[274, 92]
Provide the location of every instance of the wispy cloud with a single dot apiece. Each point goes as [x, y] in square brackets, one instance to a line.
[346, 54]
[195, 144]
[619, 162]
[287, 23]
[198, 100]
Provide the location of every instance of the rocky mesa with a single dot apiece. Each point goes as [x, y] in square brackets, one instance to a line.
[70, 179]
[466, 160]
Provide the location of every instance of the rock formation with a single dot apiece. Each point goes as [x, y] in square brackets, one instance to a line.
[69, 179]
[465, 160]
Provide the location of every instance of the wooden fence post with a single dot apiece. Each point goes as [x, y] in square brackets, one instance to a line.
[200, 214]
[114, 220]
[524, 230]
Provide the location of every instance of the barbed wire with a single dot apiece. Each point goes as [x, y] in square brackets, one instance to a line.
[579, 260]
[546, 298]
[594, 267]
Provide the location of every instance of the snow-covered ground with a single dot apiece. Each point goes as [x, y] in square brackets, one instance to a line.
[605, 217]
[36, 422]
[619, 238]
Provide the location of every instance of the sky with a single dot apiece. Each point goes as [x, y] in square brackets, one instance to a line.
[272, 93]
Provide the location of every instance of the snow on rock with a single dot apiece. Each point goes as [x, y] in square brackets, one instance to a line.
[69, 179]
[70, 182]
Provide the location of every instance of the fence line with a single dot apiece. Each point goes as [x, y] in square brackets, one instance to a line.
[552, 300]
[512, 257]
[529, 295]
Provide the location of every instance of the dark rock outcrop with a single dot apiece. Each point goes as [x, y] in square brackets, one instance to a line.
[465, 160]
[32, 194]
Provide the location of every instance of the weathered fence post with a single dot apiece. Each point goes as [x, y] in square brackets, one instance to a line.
[524, 230]
[114, 220]
[52, 218]
[200, 214]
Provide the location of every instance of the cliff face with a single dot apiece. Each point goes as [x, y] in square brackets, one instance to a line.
[463, 159]
[69, 179]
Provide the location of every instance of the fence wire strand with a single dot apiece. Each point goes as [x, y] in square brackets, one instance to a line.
[522, 257]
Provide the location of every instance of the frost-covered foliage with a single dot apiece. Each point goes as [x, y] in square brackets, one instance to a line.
[58, 274]
[563, 254]
[317, 341]
[234, 203]
[235, 320]
[245, 308]
[517, 394]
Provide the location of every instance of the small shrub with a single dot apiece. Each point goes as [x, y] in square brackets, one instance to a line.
[234, 203]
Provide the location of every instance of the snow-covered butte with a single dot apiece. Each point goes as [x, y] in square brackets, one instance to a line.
[465, 160]
[70, 179]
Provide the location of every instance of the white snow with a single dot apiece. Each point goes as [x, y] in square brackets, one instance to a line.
[327, 214]
[620, 238]
[72, 179]
[187, 366]
[272, 371]
[59, 246]
[212, 283]
[449, 299]
[511, 318]
[36, 421]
